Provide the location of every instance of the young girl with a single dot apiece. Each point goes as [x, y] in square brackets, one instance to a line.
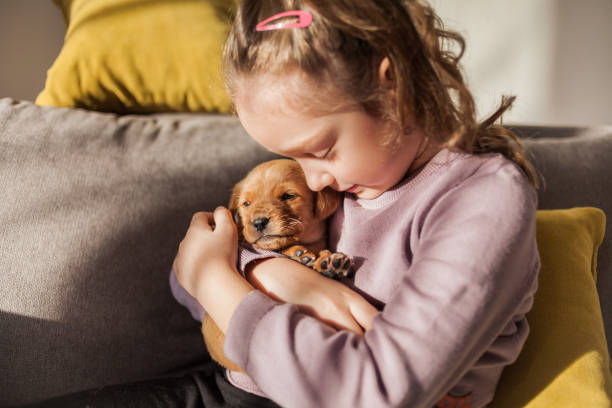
[438, 212]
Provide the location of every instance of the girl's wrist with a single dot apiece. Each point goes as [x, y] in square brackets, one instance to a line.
[233, 287]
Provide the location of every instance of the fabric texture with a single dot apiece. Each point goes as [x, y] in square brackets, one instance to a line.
[140, 56]
[93, 208]
[565, 362]
[450, 258]
[205, 387]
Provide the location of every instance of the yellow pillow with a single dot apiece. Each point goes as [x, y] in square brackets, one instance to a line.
[565, 362]
[140, 56]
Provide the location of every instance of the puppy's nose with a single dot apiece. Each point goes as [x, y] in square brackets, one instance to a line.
[260, 223]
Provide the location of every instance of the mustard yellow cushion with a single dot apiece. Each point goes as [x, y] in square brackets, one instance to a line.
[139, 56]
[565, 362]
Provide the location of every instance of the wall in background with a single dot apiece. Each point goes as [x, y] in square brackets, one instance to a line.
[31, 36]
[555, 55]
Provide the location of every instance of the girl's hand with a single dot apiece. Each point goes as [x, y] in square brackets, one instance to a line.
[206, 265]
[324, 298]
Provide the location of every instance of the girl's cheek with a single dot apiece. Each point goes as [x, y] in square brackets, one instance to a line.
[347, 171]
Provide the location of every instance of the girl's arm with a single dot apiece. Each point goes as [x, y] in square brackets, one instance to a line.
[326, 299]
[205, 267]
[461, 301]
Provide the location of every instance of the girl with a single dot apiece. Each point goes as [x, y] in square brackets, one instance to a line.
[438, 211]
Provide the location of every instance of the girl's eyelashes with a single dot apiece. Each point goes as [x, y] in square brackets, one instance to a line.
[324, 155]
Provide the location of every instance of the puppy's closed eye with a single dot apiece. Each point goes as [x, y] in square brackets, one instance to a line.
[287, 196]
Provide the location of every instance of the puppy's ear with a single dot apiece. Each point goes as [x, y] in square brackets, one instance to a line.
[233, 206]
[326, 202]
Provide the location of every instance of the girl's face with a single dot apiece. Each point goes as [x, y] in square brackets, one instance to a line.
[341, 149]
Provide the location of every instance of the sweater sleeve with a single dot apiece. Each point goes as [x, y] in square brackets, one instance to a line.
[246, 254]
[472, 272]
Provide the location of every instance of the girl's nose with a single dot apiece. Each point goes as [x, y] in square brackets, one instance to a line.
[317, 179]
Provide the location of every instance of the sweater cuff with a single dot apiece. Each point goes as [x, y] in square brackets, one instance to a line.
[248, 253]
[185, 299]
[243, 323]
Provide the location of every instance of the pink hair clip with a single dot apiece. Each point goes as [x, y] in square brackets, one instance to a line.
[304, 20]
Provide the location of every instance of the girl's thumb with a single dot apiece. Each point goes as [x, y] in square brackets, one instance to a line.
[223, 218]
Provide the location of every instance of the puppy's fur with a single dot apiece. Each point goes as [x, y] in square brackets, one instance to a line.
[275, 210]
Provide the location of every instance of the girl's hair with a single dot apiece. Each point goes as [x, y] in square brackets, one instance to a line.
[345, 45]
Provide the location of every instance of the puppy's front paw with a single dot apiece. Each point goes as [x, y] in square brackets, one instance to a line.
[300, 254]
[333, 265]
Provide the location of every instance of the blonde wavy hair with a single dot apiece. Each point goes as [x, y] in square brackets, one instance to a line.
[346, 43]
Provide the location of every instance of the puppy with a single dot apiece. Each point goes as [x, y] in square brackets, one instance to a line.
[275, 210]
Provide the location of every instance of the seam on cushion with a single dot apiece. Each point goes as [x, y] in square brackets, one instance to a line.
[597, 242]
[594, 262]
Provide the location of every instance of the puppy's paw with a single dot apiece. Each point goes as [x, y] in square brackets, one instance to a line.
[333, 265]
[300, 254]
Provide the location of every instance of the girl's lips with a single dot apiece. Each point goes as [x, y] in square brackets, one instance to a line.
[352, 189]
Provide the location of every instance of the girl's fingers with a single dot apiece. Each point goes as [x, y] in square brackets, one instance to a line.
[353, 326]
[223, 221]
[343, 323]
[363, 312]
[203, 219]
[222, 217]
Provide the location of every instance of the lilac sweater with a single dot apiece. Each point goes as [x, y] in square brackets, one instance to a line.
[450, 258]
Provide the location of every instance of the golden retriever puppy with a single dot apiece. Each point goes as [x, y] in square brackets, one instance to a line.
[275, 210]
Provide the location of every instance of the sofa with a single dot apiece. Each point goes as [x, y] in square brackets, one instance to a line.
[93, 208]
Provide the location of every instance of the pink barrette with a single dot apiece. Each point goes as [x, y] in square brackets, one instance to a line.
[304, 20]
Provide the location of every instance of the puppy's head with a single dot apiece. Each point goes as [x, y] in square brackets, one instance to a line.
[274, 208]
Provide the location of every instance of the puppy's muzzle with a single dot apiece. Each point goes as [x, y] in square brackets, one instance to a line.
[261, 223]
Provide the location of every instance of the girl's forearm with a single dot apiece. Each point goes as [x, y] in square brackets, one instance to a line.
[205, 265]
[270, 276]
[221, 308]
[328, 300]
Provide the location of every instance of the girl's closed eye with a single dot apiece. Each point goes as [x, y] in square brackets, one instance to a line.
[325, 154]
[324, 149]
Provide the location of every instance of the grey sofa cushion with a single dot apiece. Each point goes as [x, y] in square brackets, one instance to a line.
[93, 208]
